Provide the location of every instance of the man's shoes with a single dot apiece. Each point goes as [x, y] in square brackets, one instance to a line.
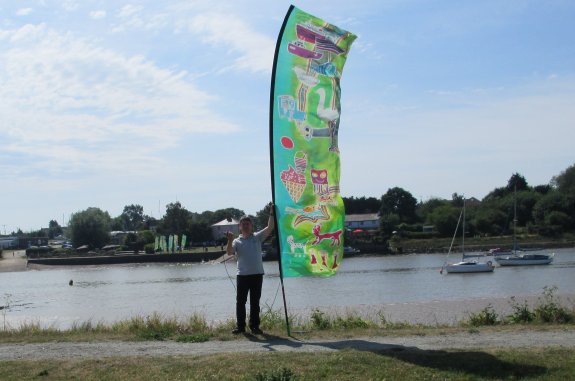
[256, 331]
[238, 330]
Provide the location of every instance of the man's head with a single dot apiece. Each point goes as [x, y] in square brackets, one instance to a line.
[246, 225]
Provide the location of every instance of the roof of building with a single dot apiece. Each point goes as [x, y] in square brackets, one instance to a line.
[361, 217]
[225, 222]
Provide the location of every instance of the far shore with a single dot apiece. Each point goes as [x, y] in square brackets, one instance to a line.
[13, 260]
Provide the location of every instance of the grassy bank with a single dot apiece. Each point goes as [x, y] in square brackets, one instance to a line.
[547, 312]
[484, 244]
[377, 363]
[397, 364]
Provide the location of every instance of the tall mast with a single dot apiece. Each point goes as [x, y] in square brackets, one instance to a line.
[514, 218]
[463, 232]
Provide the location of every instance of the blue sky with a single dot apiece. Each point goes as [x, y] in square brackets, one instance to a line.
[110, 103]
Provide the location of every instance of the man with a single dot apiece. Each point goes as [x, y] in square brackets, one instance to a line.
[248, 249]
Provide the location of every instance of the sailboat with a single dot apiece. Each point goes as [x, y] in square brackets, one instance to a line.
[523, 259]
[466, 265]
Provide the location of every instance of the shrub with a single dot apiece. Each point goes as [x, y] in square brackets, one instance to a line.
[521, 312]
[320, 320]
[550, 311]
[486, 316]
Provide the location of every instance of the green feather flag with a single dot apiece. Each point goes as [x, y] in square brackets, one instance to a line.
[304, 122]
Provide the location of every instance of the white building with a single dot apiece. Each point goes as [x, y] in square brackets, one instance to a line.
[8, 242]
[368, 221]
[221, 228]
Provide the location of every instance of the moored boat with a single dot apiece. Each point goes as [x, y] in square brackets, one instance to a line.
[466, 265]
[524, 259]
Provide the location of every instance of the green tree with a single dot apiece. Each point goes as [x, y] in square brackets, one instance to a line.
[54, 229]
[175, 220]
[517, 182]
[565, 181]
[400, 202]
[261, 218]
[132, 217]
[445, 218]
[490, 221]
[389, 223]
[90, 227]
[361, 205]
[425, 208]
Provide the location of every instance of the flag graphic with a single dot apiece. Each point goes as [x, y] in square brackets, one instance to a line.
[305, 163]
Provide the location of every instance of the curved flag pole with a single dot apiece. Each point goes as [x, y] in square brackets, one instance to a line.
[304, 122]
[271, 122]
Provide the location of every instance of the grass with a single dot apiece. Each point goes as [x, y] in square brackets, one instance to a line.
[400, 363]
[547, 312]
[378, 363]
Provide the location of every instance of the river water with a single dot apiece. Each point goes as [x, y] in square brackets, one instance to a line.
[110, 293]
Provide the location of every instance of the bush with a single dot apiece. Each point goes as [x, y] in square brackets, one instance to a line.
[320, 320]
[486, 316]
[550, 311]
[521, 312]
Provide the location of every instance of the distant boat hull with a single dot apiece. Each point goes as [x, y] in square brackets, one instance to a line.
[466, 267]
[524, 260]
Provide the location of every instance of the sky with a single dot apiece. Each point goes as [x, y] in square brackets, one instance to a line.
[111, 103]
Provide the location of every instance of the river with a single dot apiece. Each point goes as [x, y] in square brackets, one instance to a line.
[116, 292]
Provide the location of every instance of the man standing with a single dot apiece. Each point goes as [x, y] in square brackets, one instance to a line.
[248, 249]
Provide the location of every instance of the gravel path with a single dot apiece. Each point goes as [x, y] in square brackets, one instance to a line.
[58, 350]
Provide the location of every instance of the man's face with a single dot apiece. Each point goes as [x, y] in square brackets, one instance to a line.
[246, 226]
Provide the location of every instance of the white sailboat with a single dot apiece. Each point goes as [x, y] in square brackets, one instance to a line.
[466, 265]
[521, 259]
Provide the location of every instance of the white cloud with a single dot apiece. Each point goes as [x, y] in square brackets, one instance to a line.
[68, 102]
[70, 5]
[129, 10]
[255, 50]
[97, 15]
[24, 11]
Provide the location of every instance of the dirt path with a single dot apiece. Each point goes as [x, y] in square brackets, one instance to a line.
[56, 350]
[13, 260]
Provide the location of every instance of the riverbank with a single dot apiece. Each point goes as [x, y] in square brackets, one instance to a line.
[520, 338]
[13, 260]
[472, 244]
[473, 355]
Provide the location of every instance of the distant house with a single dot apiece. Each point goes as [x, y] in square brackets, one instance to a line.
[368, 221]
[472, 201]
[8, 242]
[220, 229]
[118, 237]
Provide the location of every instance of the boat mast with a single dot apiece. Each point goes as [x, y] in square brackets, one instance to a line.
[514, 219]
[463, 232]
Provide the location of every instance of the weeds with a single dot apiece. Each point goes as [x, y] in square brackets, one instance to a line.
[521, 313]
[320, 320]
[283, 374]
[5, 308]
[486, 316]
[549, 310]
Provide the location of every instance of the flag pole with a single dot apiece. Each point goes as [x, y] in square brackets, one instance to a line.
[271, 134]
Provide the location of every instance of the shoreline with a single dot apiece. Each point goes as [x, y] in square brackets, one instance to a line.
[13, 261]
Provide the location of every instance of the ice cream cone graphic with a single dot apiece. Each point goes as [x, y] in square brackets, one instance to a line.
[294, 183]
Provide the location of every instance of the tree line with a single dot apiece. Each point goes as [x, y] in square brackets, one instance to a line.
[547, 210]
